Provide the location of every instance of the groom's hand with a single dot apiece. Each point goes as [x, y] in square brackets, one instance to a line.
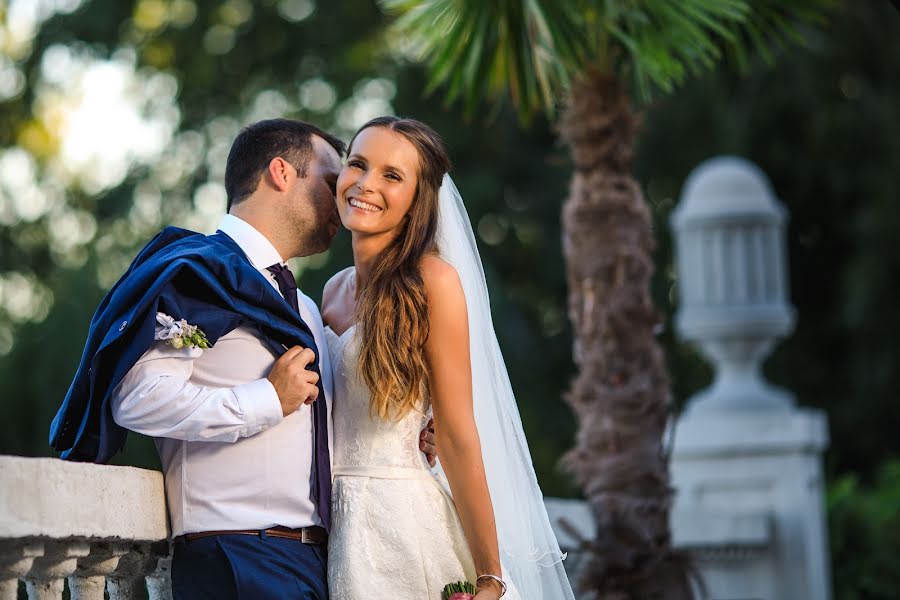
[427, 442]
[293, 382]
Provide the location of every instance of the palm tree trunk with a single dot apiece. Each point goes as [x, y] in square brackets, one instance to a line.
[621, 392]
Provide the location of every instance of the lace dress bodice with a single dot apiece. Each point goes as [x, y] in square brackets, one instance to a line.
[361, 440]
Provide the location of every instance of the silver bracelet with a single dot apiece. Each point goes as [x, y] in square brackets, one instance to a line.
[495, 578]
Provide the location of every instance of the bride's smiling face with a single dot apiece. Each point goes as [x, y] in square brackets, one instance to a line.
[378, 183]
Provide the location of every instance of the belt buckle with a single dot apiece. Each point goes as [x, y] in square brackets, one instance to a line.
[304, 536]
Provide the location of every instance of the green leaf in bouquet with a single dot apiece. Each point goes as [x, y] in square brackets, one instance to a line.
[453, 588]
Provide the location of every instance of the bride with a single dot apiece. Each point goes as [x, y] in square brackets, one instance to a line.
[410, 334]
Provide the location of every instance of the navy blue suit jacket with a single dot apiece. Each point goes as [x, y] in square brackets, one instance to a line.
[206, 280]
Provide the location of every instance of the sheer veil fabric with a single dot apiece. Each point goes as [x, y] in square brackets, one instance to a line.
[529, 551]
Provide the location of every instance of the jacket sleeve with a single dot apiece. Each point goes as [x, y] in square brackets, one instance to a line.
[157, 398]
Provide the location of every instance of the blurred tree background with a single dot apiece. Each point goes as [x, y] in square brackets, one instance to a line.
[116, 117]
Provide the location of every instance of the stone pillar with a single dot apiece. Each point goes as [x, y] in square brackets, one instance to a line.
[743, 452]
[764, 468]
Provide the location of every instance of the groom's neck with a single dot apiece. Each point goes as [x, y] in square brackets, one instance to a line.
[270, 227]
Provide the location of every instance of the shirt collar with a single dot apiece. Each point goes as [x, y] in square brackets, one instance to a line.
[255, 245]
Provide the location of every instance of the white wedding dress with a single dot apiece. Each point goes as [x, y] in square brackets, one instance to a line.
[395, 531]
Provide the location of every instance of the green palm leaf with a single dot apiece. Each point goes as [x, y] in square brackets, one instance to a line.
[530, 50]
[487, 49]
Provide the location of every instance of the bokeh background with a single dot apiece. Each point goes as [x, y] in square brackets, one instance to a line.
[116, 117]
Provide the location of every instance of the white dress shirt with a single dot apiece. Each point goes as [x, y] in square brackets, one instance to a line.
[231, 460]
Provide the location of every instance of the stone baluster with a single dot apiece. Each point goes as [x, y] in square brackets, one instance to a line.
[16, 560]
[126, 581]
[60, 559]
[159, 582]
[89, 580]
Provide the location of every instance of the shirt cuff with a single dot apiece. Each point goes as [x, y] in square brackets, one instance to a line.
[260, 405]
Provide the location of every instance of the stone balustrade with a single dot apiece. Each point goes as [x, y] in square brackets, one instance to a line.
[94, 526]
[102, 527]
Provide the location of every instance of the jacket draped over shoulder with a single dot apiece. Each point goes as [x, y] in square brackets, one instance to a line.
[206, 280]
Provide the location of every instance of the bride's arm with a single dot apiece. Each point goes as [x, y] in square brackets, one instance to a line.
[447, 352]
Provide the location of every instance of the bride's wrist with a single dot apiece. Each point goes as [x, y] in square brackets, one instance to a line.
[492, 583]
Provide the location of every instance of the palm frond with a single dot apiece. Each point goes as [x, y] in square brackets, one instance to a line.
[487, 49]
[531, 50]
[664, 42]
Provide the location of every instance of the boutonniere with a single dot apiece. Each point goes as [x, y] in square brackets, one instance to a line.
[179, 334]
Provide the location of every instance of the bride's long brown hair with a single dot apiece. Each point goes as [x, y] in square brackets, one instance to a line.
[391, 308]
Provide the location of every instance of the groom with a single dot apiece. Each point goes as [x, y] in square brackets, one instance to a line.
[242, 436]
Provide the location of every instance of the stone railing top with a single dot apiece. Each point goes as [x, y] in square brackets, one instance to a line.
[48, 497]
[743, 432]
[709, 529]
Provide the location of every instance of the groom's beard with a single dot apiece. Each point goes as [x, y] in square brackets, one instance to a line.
[334, 225]
[330, 229]
[322, 236]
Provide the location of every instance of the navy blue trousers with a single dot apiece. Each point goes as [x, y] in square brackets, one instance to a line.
[247, 567]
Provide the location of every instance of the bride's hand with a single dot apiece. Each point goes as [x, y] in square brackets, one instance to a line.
[487, 590]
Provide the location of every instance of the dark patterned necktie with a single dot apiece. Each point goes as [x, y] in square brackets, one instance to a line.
[321, 475]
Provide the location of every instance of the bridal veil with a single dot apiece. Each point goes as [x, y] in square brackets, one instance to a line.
[529, 551]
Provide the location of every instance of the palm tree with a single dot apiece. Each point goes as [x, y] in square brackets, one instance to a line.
[595, 58]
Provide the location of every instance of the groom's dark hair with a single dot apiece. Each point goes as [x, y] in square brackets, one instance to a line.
[257, 144]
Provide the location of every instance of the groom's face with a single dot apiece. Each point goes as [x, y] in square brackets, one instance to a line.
[319, 222]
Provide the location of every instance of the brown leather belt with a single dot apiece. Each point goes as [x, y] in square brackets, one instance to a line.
[305, 535]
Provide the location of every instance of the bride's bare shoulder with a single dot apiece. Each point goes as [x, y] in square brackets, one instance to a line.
[335, 282]
[442, 285]
[334, 294]
[437, 270]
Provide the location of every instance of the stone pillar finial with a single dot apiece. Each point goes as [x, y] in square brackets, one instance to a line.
[732, 281]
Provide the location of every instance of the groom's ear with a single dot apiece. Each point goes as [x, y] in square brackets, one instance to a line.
[279, 173]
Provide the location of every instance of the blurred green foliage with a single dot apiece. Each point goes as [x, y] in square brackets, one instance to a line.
[822, 124]
[512, 180]
[864, 527]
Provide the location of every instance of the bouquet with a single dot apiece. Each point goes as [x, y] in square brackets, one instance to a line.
[461, 590]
